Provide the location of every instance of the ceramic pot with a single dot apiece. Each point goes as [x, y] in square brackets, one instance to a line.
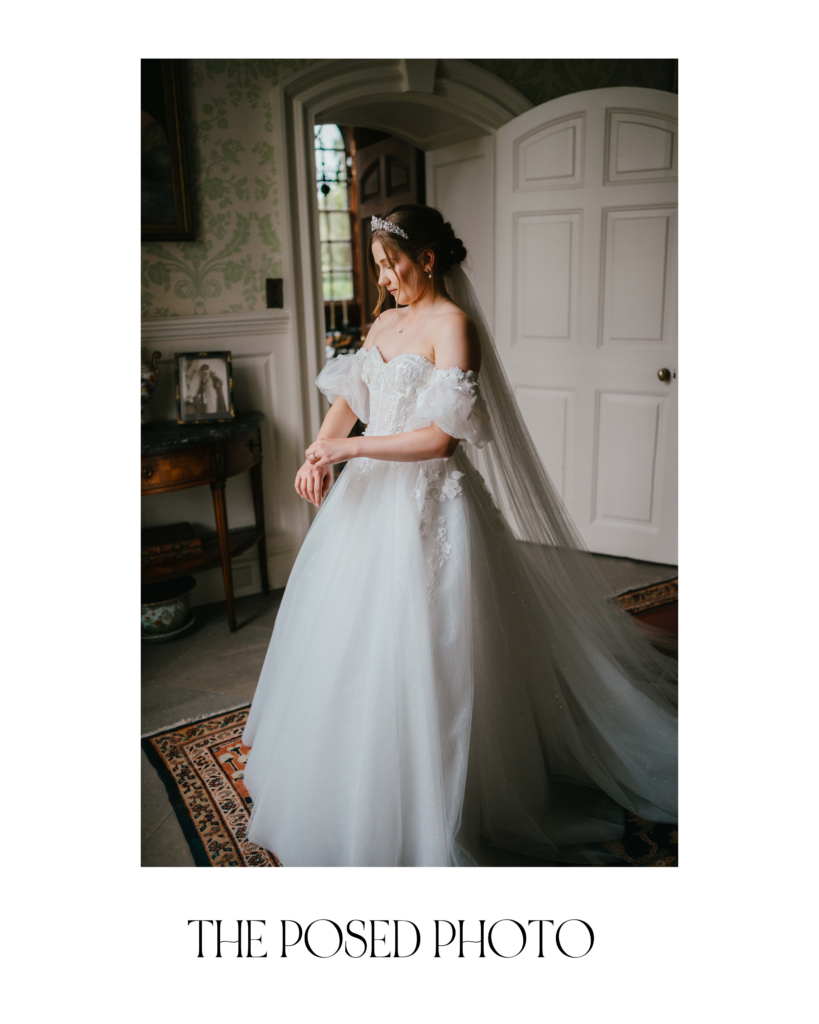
[149, 375]
[166, 606]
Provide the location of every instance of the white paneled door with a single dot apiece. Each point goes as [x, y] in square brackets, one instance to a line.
[460, 182]
[586, 305]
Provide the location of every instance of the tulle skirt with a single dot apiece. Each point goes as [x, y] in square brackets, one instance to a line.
[431, 690]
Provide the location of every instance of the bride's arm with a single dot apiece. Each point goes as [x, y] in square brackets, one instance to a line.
[413, 446]
[456, 345]
[339, 421]
[313, 478]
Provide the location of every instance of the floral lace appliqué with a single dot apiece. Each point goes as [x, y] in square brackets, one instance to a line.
[457, 379]
[434, 486]
[435, 483]
[441, 549]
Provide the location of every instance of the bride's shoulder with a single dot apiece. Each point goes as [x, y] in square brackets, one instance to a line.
[456, 339]
[452, 320]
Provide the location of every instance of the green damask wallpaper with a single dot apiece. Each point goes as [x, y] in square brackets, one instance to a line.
[544, 80]
[232, 128]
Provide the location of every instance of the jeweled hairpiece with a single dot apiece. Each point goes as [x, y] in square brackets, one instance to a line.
[377, 224]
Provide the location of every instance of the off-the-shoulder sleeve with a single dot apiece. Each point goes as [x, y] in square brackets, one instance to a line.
[452, 400]
[341, 377]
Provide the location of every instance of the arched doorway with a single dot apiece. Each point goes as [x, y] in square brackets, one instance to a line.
[429, 103]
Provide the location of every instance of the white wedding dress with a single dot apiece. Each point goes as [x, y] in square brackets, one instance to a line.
[431, 689]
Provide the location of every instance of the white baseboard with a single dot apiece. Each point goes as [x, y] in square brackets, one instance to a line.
[247, 578]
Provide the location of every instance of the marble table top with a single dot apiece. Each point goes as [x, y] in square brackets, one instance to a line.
[167, 436]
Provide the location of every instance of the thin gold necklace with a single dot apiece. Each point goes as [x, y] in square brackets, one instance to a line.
[415, 321]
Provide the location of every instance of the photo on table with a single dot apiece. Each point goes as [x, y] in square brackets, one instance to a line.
[204, 387]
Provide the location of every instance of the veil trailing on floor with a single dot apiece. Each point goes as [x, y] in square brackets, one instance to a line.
[602, 697]
[521, 487]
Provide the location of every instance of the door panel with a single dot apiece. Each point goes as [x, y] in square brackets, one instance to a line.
[461, 183]
[547, 265]
[627, 444]
[638, 275]
[550, 155]
[548, 413]
[586, 306]
[641, 146]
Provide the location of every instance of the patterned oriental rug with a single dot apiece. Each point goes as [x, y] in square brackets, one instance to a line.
[202, 766]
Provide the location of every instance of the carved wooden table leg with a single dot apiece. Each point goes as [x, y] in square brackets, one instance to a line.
[220, 512]
[258, 508]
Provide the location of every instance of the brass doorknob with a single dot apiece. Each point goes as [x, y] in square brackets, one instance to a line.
[664, 374]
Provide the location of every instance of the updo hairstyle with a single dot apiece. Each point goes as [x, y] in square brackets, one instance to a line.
[426, 229]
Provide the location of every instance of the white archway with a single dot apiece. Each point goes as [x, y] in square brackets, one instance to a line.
[429, 103]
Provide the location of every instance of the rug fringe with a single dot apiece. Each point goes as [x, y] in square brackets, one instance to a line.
[198, 718]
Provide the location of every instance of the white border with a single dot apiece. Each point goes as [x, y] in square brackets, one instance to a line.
[723, 937]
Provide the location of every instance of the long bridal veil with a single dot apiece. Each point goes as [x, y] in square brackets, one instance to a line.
[622, 695]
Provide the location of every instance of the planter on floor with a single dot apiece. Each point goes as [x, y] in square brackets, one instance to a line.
[166, 608]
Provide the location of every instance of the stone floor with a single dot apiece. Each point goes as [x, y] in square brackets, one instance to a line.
[211, 669]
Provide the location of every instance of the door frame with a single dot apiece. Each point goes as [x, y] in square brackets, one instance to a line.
[458, 86]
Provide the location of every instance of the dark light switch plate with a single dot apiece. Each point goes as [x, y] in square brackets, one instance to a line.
[275, 293]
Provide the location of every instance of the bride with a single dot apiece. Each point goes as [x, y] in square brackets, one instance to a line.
[446, 674]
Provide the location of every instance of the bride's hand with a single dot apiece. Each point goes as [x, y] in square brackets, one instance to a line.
[328, 451]
[313, 483]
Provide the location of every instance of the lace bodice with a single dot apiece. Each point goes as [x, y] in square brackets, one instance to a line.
[394, 387]
[406, 393]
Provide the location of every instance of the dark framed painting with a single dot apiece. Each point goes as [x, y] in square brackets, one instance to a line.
[167, 207]
[204, 387]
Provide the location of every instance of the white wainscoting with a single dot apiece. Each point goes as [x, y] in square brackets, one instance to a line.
[265, 378]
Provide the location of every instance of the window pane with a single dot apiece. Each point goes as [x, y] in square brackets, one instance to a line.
[329, 136]
[342, 257]
[335, 226]
[339, 226]
[334, 164]
[337, 287]
[342, 286]
[336, 199]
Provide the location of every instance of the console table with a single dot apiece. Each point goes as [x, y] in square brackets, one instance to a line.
[175, 457]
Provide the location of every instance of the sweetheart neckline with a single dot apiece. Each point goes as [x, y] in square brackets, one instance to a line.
[386, 362]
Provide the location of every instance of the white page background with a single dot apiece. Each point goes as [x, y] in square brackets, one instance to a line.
[90, 934]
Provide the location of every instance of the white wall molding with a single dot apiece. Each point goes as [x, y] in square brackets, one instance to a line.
[239, 325]
[459, 87]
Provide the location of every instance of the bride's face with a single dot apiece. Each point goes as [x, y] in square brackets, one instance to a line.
[398, 274]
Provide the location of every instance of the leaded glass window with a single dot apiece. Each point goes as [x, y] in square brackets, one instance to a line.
[335, 223]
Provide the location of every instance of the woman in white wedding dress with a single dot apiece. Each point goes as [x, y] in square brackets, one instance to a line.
[445, 676]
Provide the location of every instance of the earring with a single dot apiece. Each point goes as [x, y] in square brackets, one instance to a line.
[429, 271]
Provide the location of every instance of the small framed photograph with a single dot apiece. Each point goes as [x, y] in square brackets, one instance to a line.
[204, 387]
